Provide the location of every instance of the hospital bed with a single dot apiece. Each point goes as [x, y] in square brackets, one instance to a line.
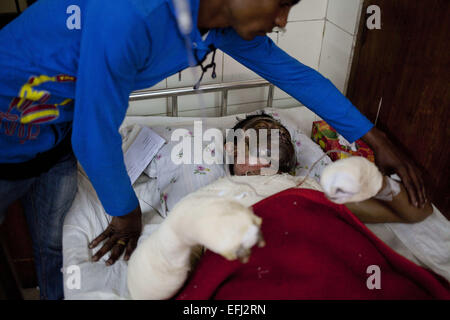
[426, 244]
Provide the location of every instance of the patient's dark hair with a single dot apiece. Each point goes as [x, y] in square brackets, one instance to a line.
[287, 156]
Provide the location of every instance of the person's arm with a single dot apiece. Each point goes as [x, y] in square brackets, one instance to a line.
[389, 159]
[321, 96]
[303, 83]
[113, 47]
[399, 209]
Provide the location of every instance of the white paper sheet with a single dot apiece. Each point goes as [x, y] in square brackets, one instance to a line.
[141, 152]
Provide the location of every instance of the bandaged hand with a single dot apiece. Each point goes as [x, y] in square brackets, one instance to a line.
[391, 188]
[159, 267]
[353, 179]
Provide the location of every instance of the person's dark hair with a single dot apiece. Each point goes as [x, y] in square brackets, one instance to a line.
[287, 156]
[243, 122]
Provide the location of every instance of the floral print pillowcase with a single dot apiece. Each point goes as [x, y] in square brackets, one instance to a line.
[175, 181]
[308, 153]
[188, 179]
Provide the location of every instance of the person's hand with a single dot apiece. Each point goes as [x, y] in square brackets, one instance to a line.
[122, 234]
[353, 179]
[391, 160]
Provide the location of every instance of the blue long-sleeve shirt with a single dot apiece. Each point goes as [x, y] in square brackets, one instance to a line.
[52, 75]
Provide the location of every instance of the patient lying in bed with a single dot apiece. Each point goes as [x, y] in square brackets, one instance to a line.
[160, 266]
[397, 209]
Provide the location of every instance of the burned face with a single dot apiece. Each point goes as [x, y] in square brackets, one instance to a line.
[247, 169]
[285, 154]
[251, 18]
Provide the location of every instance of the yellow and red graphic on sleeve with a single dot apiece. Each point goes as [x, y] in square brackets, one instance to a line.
[32, 102]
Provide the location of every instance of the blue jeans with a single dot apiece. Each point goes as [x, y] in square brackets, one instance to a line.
[46, 199]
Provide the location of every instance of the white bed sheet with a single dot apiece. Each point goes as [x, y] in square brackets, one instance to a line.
[87, 219]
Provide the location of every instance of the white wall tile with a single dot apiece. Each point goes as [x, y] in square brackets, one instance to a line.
[209, 112]
[248, 95]
[303, 41]
[151, 106]
[196, 102]
[188, 78]
[147, 107]
[344, 13]
[309, 10]
[336, 53]
[235, 71]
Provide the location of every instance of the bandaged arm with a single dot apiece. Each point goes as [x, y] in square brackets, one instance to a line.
[385, 209]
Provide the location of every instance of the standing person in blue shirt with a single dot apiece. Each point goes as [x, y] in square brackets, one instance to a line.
[64, 88]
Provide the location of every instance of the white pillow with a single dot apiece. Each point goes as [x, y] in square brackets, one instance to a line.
[175, 181]
[308, 152]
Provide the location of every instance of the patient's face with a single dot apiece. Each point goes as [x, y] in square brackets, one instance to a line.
[247, 169]
[286, 150]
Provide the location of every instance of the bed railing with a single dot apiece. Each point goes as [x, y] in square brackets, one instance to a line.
[174, 93]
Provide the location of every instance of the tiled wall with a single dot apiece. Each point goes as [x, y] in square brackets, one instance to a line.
[339, 40]
[320, 33]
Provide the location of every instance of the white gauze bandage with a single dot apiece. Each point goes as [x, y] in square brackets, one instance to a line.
[160, 264]
[390, 190]
[352, 179]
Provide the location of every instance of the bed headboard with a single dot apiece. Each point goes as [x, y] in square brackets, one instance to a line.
[224, 88]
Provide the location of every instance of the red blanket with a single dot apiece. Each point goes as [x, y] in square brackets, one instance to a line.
[315, 250]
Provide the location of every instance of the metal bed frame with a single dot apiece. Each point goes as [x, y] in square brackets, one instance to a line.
[222, 87]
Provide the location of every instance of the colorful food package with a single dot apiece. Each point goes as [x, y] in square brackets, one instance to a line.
[328, 139]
